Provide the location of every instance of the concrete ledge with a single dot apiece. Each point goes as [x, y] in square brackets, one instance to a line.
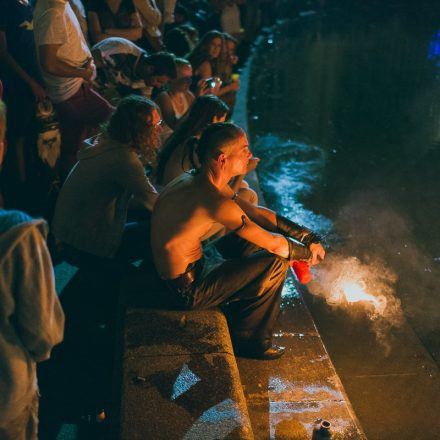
[179, 377]
[151, 332]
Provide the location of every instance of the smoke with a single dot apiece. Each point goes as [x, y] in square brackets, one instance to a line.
[374, 278]
[390, 228]
[380, 246]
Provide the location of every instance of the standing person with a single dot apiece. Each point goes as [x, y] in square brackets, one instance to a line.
[151, 18]
[31, 318]
[23, 87]
[68, 70]
[230, 18]
[81, 15]
[113, 18]
[167, 8]
[248, 284]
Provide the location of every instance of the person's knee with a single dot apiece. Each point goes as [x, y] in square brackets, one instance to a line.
[278, 268]
[249, 195]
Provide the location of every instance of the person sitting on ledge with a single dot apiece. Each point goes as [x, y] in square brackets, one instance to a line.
[91, 211]
[175, 102]
[248, 284]
[179, 153]
[176, 155]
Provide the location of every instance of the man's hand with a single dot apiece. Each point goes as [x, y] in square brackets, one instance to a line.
[89, 70]
[318, 253]
[37, 91]
[252, 164]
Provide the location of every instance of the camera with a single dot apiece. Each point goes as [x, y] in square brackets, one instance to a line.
[213, 82]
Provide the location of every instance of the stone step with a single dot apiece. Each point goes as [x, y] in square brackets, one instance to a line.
[179, 377]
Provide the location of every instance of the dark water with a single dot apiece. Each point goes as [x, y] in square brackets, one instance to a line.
[345, 114]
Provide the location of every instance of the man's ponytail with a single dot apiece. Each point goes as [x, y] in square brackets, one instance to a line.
[190, 152]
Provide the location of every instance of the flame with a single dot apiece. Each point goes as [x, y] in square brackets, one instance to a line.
[351, 291]
[354, 292]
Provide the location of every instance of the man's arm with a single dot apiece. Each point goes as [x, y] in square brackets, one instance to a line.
[133, 33]
[55, 66]
[130, 174]
[95, 30]
[40, 318]
[167, 110]
[8, 61]
[234, 218]
[151, 15]
[271, 221]
[264, 217]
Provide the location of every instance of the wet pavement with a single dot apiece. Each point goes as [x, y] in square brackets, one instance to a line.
[287, 396]
[344, 111]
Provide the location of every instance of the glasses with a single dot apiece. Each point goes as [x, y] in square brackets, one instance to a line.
[159, 123]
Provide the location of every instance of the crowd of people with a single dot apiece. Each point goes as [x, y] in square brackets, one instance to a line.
[117, 135]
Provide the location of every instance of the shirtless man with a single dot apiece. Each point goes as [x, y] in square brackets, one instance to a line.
[248, 284]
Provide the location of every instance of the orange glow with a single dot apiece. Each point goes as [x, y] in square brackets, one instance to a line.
[354, 292]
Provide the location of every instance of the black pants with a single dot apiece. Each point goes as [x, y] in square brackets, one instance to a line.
[135, 245]
[248, 288]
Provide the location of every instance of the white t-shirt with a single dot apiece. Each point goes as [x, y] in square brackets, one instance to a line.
[55, 23]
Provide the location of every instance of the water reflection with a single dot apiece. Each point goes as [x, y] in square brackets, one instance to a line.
[291, 172]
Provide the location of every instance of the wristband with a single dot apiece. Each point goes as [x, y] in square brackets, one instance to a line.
[294, 230]
[298, 251]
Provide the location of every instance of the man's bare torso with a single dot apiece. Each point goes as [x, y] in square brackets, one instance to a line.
[182, 215]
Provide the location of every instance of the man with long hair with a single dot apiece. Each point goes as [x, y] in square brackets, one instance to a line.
[258, 250]
[90, 220]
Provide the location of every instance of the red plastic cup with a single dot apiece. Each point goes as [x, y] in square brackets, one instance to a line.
[302, 271]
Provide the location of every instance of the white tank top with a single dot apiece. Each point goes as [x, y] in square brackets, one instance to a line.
[167, 131]
[185, 106]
